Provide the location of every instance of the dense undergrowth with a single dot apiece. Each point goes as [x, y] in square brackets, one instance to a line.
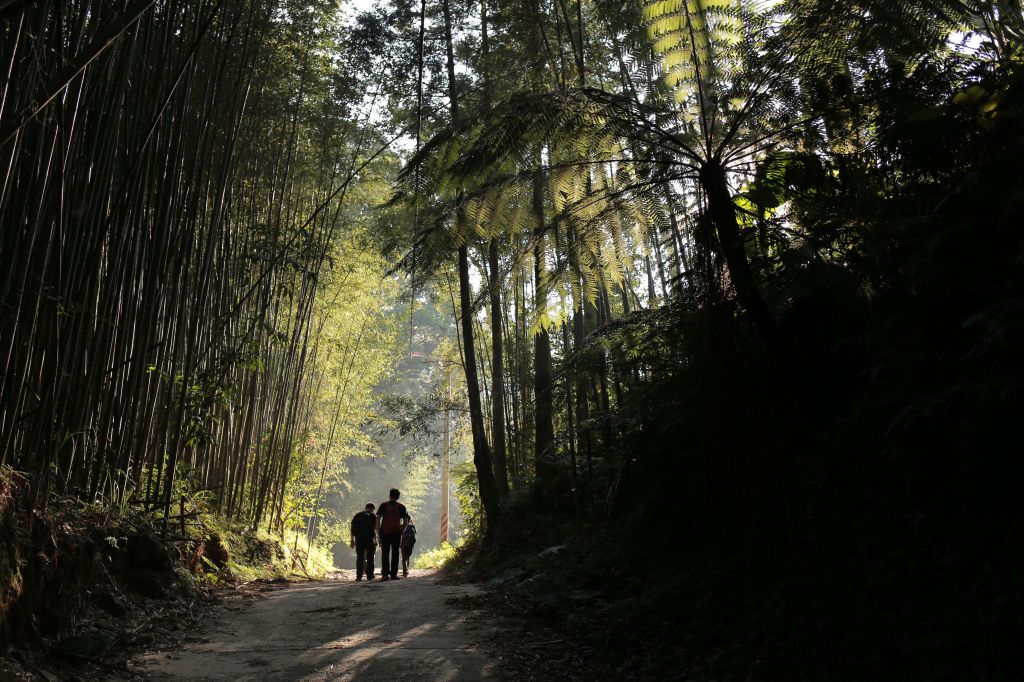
[88, 584]
[845, 509]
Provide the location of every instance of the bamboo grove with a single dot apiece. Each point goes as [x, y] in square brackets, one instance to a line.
[175, 198]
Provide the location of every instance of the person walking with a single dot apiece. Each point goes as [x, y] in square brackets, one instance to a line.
[392, 519]
[363, 532]
[408, 541]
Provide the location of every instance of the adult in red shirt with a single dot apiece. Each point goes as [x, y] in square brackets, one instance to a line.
[392, 518]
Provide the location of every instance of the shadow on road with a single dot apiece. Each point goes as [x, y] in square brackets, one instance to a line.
[338, 630]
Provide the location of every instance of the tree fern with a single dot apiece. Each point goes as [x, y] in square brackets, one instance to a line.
[737, 73]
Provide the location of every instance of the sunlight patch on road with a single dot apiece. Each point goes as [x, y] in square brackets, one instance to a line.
[367, 636]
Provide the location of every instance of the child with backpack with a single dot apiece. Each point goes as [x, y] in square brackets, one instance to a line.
[408, 540]
[392, 519]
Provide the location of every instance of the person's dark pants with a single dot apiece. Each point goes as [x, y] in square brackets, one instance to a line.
[406, 553]
[365, 549]
[389, 543]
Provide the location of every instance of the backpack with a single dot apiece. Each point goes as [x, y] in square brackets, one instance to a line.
[391, 519]
[409, 537]
[363, 524]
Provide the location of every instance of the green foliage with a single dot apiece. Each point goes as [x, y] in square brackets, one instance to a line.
[437, 557]
[697, 40]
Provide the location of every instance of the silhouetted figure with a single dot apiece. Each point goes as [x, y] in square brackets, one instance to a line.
[408, 541]
[364, 540]
[391, 522]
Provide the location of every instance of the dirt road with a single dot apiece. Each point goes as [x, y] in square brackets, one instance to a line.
[402, 631]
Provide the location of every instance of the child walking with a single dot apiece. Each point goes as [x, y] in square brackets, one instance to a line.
[408, 540]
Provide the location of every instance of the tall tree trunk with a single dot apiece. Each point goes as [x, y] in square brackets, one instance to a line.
[570, 428]
[584, 313]
[481, 450]
[524, 352]
[680, 269]
[544, 430]
[497, 372]
[712, 178]
[497, 337]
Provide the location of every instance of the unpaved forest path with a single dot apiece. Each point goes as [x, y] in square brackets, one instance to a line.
[404, 631]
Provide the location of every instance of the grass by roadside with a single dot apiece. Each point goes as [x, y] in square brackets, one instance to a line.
[85, 585]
